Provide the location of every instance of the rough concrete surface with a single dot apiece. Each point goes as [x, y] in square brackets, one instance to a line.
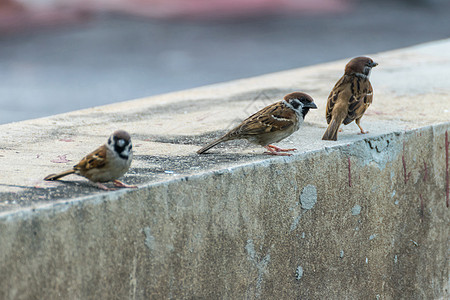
[361, 218]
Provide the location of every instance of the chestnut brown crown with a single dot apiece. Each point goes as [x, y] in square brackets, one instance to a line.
[360, 65]
[300, 102]
[296, 97]
[122, 134]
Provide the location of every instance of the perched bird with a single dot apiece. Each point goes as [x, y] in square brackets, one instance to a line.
[271, 124]
[109, 162]
[350, 97]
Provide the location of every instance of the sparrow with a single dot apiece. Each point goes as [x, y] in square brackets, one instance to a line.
[107, 163]
[271, 124]
[350, 97]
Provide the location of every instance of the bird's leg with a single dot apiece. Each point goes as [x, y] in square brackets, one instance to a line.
[119, 183]
[278, 149]
[273, 151]
[360, 128]
[103, 187]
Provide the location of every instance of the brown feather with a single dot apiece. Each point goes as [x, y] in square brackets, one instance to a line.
[349, 99]
[272, 118]
[262, 127]
[94, 160]
[59, 175]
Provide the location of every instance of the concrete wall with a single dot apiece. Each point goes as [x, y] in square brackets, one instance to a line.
[363, 218]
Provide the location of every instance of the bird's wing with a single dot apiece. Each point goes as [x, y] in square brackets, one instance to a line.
[359, 101]
[94, 160]
[333, 97]
[272, 118]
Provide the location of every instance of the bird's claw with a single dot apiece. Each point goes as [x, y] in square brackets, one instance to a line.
[120, 184]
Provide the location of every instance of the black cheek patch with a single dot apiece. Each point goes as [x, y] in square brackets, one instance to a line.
[295, 104]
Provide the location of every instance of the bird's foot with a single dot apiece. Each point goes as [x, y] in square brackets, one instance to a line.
[278, 149]
[104, 187]
[273, 150]
[363, 132]
[119, 183]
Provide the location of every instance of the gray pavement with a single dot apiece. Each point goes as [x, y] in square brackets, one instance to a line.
[113, 58]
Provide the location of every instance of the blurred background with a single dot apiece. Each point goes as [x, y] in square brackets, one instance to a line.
[61, 55]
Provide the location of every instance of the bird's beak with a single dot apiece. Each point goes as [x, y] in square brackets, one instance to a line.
[310, 105]
[374, 64]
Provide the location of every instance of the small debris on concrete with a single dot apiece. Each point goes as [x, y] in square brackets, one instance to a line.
[61, 159]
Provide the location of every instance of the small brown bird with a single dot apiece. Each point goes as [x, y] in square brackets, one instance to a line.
[350, 97]
[109, 162]
[271, 124]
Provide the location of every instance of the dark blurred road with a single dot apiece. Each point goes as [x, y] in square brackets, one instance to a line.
[114, 58]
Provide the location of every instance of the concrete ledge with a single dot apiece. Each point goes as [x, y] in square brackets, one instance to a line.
[361, 218]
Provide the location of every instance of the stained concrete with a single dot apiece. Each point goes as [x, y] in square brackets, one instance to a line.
[235, 223]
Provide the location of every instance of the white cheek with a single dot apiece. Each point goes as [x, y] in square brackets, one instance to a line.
[127, 151]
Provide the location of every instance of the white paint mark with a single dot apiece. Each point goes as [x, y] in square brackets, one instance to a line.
[308, 197]
[299, 273]
[396, 202]
[250, 249]
[367, 260]
[395, 259]
[372, 236]
[295, 222]
[341, 254]
[356, 210]
[303, 235]
[133, 280]
[149, 238]
[261, 265]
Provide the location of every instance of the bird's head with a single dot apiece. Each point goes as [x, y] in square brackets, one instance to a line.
[360, 66]
[300, 102]
[120, 143]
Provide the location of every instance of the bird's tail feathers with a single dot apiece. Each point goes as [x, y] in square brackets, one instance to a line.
[59, 175]
[212, 144]
[332, 130]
